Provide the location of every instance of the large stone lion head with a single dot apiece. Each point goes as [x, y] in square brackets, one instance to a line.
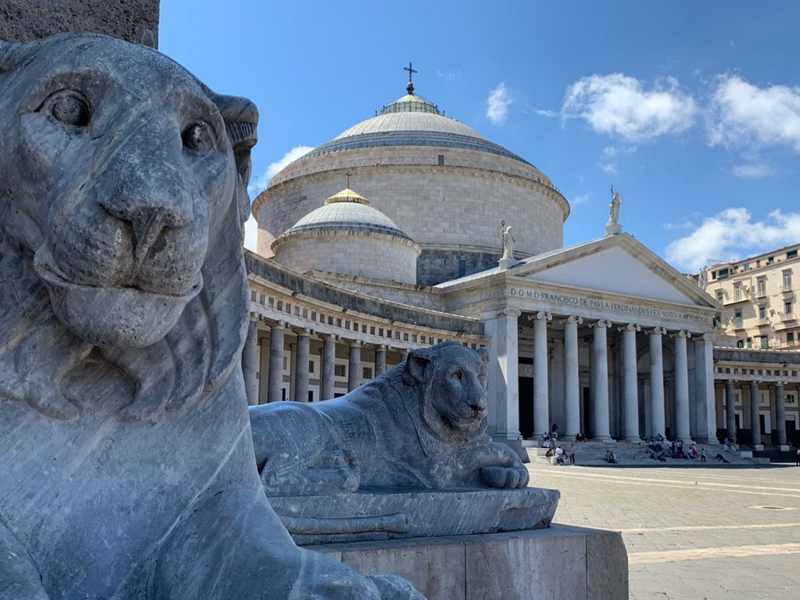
[122, 200]
[453, 378]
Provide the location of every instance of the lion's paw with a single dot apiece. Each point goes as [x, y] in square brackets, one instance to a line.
[504, 477]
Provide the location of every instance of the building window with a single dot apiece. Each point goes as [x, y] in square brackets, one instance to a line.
[737, 318]
[737, 292]
[762, 286]
[749, 342]
[764, 342]
[787, 307]
[340, 370]
[791, 253]
[740, 343]
[720, 296]
[762, 312]
[787, 281]
[253, 296]
[311, 366]
[790, 337]
[367, 373]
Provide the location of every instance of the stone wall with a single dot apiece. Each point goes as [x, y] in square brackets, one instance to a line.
[130, 20]
[456, 205]
[358, 253]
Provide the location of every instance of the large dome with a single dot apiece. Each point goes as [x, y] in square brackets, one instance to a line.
[437, 179]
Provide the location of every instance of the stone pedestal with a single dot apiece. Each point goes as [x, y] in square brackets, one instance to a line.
[562, 562]
[613, 228]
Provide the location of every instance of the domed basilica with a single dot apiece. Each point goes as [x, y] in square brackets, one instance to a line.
[394, 236]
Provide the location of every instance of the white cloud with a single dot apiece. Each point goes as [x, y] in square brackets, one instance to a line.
[732, 235]
[497, 104]
[448, 76]
[742, 114]
[608, 158]
[259, 184]
[620, 105]
[581, 199]
[752, 171]
[251, 233]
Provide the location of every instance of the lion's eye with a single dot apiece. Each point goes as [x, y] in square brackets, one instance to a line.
[197, 137]
[70, 108]
[458, 375]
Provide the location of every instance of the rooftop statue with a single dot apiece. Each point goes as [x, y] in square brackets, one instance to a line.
[126, 468]
[508, 243]
[613, 208]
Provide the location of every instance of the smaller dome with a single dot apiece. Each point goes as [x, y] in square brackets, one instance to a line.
[411, 103]
[346, 210]
[346, 236]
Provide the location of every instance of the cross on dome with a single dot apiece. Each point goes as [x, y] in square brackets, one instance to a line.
[411, 70]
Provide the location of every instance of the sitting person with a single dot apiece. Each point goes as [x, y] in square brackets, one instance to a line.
[559, 456]
[549, 452]
[721, 458]
[611, 458]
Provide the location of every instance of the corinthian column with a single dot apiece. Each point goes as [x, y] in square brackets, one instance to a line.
[657, 414]
[541, 394]
[503, 418]
[275, 362]
[631, 389]
[682, 431]
[601, 429]
[572, 377]
[250, 362]
[301, 365]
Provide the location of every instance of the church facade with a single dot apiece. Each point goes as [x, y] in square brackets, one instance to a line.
[449, 236]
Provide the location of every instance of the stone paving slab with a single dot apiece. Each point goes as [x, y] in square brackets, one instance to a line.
[707, 533]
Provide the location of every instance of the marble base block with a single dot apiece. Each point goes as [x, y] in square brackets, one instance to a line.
[374, 514]
[558, 563]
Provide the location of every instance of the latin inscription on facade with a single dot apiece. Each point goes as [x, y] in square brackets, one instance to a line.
[592, 303]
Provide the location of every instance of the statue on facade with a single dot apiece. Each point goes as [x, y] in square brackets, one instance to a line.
[508, 242]
[127, 463]
[702, 278]
[613, 227]
[613, 208]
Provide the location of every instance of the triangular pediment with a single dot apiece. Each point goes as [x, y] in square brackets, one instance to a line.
[618, 265]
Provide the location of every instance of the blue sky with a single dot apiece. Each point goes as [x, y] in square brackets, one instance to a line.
[690, 109]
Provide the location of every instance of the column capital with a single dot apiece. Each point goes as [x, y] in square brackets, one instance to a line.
[573, 319]
[780, 383]
[510, 312]
[327, 337]
[601, 323]
[301, 331]
[355, 343]
[540, 316]
[630, 327]
[682, 334]
[706, 337]
[756, 381]
[732, 381]
[379, 347]
[276, 324]
[656, 331]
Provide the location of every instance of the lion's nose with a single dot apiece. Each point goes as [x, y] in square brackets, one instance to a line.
[477, 407]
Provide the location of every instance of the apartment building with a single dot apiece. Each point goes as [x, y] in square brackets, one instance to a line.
[759, 296]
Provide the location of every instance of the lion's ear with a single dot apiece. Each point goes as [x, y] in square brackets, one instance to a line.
[419, 367]
[241, 120]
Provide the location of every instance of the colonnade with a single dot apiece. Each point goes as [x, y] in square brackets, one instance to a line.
[753, 387]
[504, 420]
[302, 353]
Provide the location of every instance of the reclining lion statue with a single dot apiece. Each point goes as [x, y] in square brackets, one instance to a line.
[126, 463]
[420, 424]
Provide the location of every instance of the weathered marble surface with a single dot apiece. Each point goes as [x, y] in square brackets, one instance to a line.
[126, 468]
[373, 514]
[560, 562]
[420, 424]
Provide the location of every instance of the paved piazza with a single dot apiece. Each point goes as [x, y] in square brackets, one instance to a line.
[701, 533]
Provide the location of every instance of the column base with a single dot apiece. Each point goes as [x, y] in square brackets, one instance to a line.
[632, 439]
[758, 447]
[785, 447]
[604, 440]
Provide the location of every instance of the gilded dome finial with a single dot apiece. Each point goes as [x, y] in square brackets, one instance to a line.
[411, 70]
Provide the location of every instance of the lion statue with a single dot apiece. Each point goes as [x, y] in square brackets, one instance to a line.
[420, 424]
[126, 465]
